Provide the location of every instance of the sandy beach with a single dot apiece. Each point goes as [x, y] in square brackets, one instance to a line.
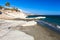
[37, 31]
[40, 33]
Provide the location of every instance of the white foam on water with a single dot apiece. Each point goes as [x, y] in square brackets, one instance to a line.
[58, 26]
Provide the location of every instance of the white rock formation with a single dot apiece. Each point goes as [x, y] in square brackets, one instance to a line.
[16, 14]
[17, 35]
[3, 32]
[30, 23]
[9, 14]
[11, 34]
[11, 23]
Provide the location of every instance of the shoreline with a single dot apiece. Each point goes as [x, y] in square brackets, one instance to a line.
[41, 33]
[38, 32]
[50, 26]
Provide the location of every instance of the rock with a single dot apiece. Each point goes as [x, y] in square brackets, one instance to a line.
[17, 35]
[30, 23]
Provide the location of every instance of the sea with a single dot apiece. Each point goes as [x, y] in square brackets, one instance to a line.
[51, 21]
[54, 19]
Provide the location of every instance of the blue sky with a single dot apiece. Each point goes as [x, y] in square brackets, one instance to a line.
[44, 7]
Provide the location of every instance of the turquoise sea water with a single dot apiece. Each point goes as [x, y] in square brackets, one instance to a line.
[54, 19]
[50, 19]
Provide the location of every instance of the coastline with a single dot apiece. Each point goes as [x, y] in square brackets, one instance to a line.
[37, 31]
[40, 33]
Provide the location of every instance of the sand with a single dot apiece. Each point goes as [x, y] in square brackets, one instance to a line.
[38, 32]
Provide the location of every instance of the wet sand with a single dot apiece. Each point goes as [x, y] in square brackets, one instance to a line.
[40, 33]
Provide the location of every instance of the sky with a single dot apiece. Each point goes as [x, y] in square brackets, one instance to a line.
[41, 7]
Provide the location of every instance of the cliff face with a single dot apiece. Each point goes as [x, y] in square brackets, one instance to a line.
[9, 14]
